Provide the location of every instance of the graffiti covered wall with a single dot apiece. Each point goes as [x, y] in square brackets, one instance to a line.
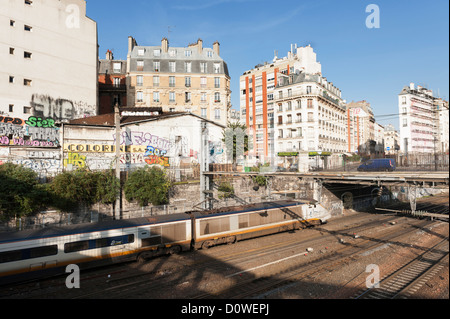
[33, 143]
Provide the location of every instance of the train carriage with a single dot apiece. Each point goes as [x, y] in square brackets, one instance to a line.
[47, 251]
[36, 253]
[254, 221]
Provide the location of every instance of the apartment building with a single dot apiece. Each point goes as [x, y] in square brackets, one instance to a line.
[112, 83]
[289, 106]
[179, 79]
[418, 120]
[48, 54]
[391, 139]
[443, 132]
[360, 125]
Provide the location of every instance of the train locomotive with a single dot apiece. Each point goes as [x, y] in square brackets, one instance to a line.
[44, 252]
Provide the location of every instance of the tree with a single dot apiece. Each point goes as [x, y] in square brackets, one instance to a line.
[148, 186]
[236, 140]
[21, 193]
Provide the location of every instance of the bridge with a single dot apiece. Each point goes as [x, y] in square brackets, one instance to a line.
[407, 179]
[424, 179]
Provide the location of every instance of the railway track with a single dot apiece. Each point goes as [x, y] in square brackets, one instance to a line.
[130, 284]
[252, 287]
[405, 281]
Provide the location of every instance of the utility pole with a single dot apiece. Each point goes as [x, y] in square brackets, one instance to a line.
[204, 167]
[117, 213]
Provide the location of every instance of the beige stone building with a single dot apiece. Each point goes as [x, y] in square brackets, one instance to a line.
[48, 58]
[179, 79]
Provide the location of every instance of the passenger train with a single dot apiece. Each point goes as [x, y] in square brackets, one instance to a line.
[38, 253]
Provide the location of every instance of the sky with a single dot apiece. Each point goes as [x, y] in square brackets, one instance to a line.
[411, 43]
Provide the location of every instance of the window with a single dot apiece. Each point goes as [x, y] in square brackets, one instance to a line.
[187, 52]
[405, 122]
[28, 2]
[217, 114]
[140, 80]
[187, 96]
[117, 67]
[156, 66]
[27, 28]
[12, 23]
[216, 97]
[140, 65]
[155, 96]
[11, 108]
[216, 67]
[187, 81]
[203, 82]
[28, 253]
[280, 133]
[171, 81]
[203, 97]
[11, 79]
[217, 83]
[203, 67]
[403, 99]
[310, 104]
[299, 104]
[116, 82]
[188, 67]
[11, 51]
[209, 54]
[156, 81]
[140, 96]
[141, 52]
[171, 96]
[172, 66]
[98, 243]
[204, 112]
[308, 89]
[27, 82]
[26, 110]
[172, 52]
[156, 52]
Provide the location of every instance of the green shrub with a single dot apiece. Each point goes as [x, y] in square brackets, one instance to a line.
[148, 186]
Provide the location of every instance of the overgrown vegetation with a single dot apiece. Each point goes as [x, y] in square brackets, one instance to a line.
[226, 190]
[23, 195]
[21, 192]
[84, 187]
[148, 186]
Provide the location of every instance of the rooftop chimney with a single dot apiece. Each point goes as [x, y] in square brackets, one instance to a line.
[216, 47]
[200, 46]
[131, 44]
[109, 55]
[411, 86]
[165, 45]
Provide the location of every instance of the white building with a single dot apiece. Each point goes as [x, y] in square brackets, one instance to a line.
[171, 140]
[418, 121]
[289, 106]
[443, 135]
[48, 57]
[391, 139]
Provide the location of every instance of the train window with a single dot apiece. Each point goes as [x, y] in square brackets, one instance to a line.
[213, 226]
[43, 251]
[98, 243]
[76, 246]
[29, 253]
[10, 256]
[243, 221]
